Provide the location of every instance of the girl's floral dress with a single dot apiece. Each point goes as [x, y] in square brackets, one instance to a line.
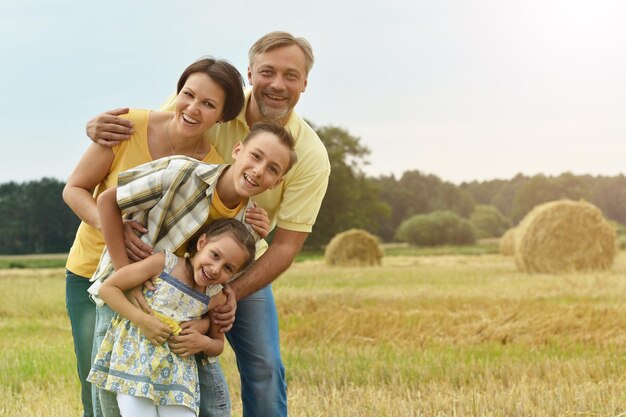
[128, 363]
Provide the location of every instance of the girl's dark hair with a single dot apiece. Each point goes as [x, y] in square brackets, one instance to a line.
[226, 76]
[237, 230]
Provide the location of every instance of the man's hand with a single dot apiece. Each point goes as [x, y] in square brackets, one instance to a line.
[224, 316]
[136, 249]
[107, 129]
[258, 219]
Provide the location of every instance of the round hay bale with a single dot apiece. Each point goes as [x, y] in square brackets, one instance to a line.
[562, 236]
[507, 243]
[354, 247]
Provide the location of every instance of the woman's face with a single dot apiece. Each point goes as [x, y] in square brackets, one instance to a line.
[199, 105]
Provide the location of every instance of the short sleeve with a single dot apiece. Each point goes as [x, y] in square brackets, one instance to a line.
[211, 290]
[141, 188]
[301, 202]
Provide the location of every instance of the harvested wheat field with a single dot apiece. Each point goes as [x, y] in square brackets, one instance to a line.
[417, 336]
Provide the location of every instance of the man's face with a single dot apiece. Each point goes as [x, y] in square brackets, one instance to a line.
[277, 78]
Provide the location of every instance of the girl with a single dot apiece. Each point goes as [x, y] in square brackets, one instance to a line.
[134, 359]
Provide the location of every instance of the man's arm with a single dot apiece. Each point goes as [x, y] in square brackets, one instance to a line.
[277, 258]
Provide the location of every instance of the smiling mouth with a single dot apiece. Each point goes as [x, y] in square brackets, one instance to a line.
[190, 120]
[249, 180]
[206, 274]
[274, 97]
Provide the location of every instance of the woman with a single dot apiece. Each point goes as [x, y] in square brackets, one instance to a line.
[208, 91]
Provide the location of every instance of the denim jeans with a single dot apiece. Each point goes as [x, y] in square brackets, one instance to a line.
[214, 396]
[82, 313]
[254, 338]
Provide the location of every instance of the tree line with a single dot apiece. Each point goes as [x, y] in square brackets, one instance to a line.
[34, 218]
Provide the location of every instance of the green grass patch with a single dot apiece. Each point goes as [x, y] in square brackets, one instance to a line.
[34, 261]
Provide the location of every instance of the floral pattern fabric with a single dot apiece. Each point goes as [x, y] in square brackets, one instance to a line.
[128, 363]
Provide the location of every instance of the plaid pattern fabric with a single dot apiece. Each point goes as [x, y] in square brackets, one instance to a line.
[171, 197]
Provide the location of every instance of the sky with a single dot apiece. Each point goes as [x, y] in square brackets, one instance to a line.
[465, 90]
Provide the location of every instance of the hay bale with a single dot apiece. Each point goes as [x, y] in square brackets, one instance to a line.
[507, 243]
[354, 247]
[562, 236]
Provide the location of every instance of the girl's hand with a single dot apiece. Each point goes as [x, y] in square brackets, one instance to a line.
[259, 220]
[155, 331]
[224, 316]
[136, 249]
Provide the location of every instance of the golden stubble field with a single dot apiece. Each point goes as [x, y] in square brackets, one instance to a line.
[419, 336]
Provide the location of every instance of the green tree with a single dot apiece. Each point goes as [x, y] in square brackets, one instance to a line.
[34, 218]
[436, 228]
[609, 194]
[418, 193]
[541, 189]
[352, 199]
[488, 221]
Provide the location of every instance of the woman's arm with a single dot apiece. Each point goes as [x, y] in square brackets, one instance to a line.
[131, 276]
[91, 170]
[112, 226]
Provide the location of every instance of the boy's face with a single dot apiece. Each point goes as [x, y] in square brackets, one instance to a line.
[259, 164]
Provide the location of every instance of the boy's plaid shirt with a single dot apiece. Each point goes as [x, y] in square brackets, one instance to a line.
[171, 197]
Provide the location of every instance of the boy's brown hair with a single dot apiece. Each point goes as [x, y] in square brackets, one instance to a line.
[283, 135]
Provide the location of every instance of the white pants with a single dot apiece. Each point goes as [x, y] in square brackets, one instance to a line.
[131, 406]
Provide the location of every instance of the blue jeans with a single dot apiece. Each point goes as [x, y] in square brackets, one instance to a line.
[214, 395]
[255, 340]
[82, 313]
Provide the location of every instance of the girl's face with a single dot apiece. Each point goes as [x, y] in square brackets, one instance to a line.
[217, 260]
[199, 105]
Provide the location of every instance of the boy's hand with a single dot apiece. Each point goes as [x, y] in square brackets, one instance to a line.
[107, 129]
[188, 342]
[155, 331]
[224, 316]
[136, 249]
[259, 220]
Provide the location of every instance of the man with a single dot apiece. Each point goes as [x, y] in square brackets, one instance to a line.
[279, 64]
